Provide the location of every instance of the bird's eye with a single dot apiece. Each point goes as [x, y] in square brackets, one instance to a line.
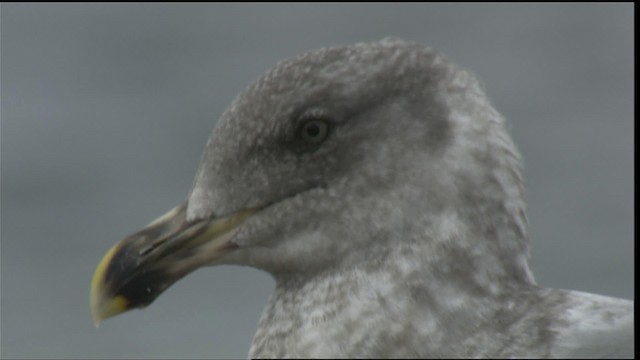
[314, 131]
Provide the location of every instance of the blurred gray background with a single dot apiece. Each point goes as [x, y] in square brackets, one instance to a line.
[107, 107]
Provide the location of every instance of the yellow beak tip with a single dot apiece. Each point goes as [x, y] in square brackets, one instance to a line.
[109, 308]
[102, 306]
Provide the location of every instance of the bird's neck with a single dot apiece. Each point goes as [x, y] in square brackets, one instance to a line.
[393, 297]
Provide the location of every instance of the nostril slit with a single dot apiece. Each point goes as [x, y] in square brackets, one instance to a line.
[145, 250]
[149, 248]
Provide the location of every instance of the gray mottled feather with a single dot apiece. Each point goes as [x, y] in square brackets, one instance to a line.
[404, 233]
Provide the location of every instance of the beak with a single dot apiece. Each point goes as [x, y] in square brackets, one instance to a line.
[140, 267]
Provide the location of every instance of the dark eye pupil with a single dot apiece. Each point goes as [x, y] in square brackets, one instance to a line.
[313, 130]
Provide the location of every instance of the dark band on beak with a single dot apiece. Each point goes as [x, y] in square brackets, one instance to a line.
[143, 265]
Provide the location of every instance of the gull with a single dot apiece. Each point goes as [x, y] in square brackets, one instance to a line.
[380, 188]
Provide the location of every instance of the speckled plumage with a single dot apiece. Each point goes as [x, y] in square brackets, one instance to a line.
[403, 234]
